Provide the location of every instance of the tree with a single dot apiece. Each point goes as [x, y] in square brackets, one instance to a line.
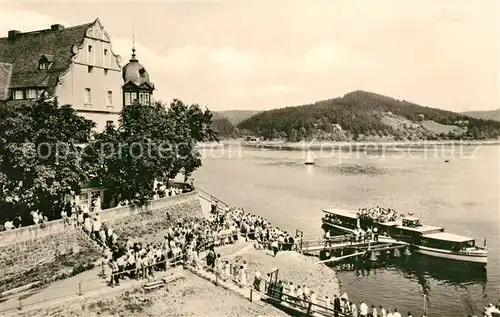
[40, 154]
[151, 142]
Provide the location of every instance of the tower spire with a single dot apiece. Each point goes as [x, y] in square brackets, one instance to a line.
[134, 58]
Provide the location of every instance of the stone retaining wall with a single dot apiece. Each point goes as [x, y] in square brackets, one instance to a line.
[26, 247]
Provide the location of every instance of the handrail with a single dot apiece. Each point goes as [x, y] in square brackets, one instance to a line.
[212, 197]
[286, 298]
[79, 287]
[89, 234]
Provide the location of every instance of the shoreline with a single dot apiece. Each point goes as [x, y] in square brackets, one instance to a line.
[363, 145]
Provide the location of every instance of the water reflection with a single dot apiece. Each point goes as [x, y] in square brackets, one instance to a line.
[310, 169]
[421, 269]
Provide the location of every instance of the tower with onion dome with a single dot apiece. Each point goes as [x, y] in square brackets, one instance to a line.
[136, 84]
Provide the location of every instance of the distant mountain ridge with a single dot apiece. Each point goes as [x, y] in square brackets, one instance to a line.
[484, 114]
[236, 116]
[362, 115]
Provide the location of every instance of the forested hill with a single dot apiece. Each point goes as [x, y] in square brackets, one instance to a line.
[361, 115]
[485, 114]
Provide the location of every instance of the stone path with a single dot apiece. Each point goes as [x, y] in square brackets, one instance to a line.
[68, 289]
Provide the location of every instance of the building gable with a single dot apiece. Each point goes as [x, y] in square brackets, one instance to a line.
[25, 50]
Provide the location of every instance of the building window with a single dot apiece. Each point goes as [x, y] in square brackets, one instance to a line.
[18, 94]
[128, 101]
[133, 97]
[90, 69]
[109, 123]
[146, 98]
[31, 94]
[88, 96]
[105, 59]
[105, 71]
[90, 55]
[141, 98]
[44, 66]
[109, 98]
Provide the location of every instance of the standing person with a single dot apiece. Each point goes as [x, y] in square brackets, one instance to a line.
[64, 216]
[374, 311]
[396, 313]
[257, 281]
[363, 309]
[336, 305]
[274, 246]
[383, 313]
[114, 273]
[354, 310]
[96, 227]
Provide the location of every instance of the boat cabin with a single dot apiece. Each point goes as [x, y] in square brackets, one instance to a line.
[408, 229]
[411, 222]
[447, 241]
[340, 217]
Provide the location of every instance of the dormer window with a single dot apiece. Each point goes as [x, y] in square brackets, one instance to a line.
[45, 62]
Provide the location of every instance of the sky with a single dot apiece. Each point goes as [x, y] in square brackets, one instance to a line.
[258, 55]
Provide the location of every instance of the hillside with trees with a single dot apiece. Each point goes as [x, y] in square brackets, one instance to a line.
[485, 114]
[362, 115]
[236, 116]
[223, 125]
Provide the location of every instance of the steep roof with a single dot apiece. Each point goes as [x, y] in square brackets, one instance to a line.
[26, 49]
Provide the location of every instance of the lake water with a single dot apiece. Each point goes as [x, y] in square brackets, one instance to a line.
[461, 195]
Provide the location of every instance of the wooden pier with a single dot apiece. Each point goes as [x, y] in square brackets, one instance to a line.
[346, 246]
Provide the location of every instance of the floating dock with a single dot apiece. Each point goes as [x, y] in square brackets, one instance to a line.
[346, 246]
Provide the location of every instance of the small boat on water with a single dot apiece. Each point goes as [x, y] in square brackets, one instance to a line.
[423, 239]
[309, 158]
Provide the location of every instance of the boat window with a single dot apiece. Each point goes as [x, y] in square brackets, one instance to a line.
[469, 244]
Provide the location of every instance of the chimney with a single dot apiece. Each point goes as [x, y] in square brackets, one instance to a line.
[12, 34]
[56, 27]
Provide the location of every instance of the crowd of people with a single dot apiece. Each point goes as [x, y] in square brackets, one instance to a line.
[73, 211]
[378, 214]
[186, 239]
[266, 237]
[492, 310]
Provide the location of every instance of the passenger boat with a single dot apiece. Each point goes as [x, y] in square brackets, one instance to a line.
[423, 239]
